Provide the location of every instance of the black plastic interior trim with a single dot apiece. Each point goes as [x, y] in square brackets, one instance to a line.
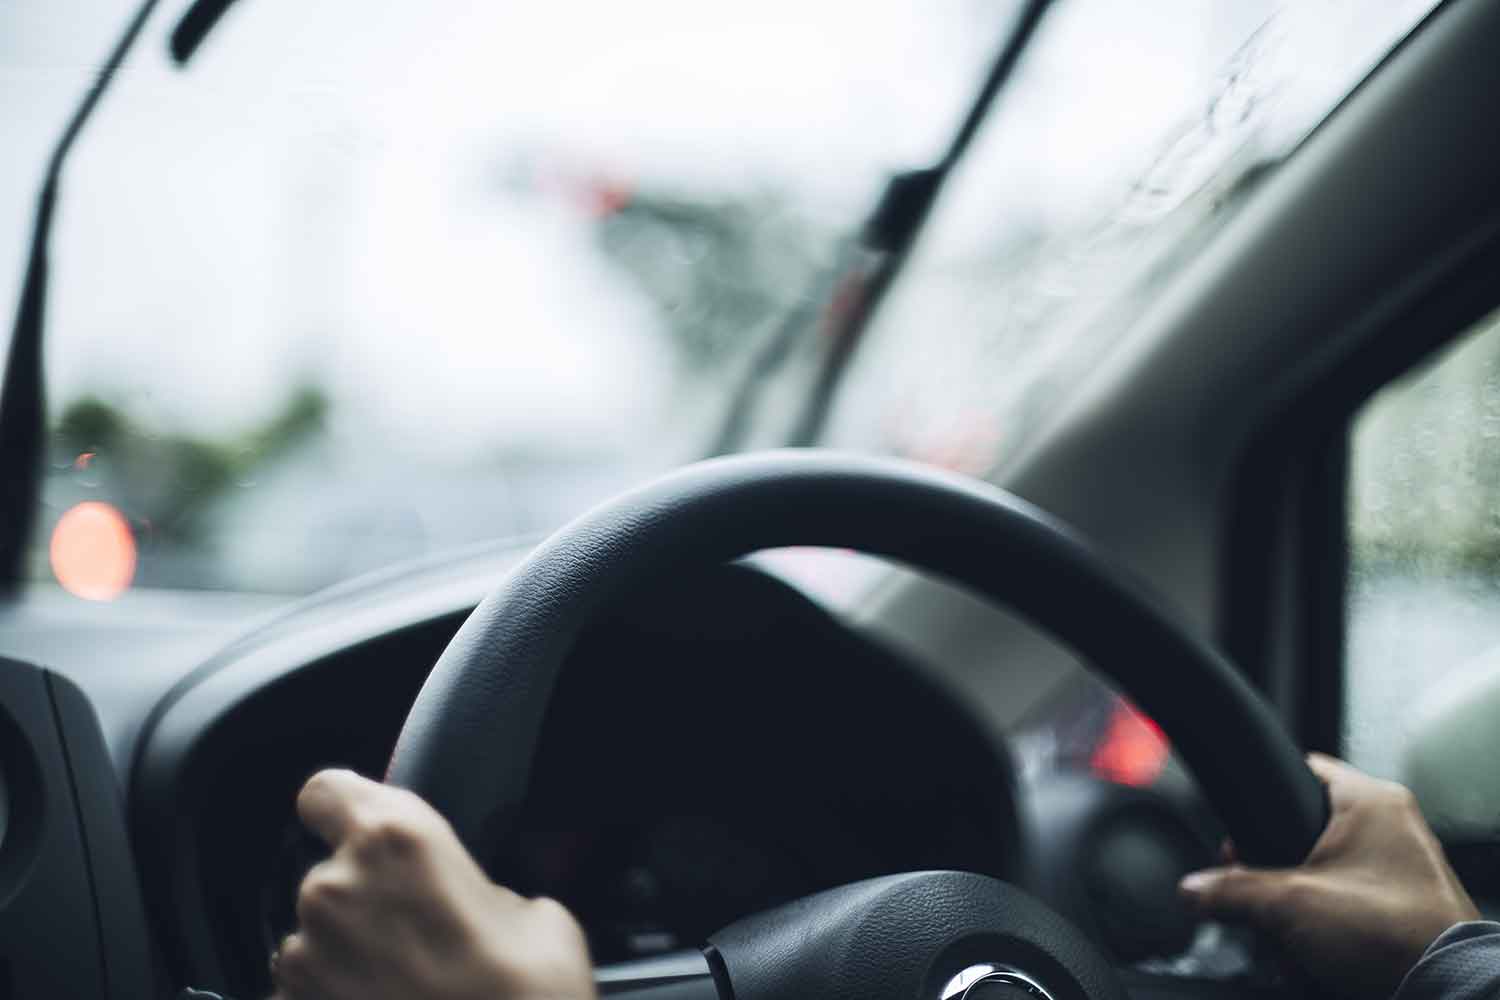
[127, 955]
[49, 940]
[1325, 619]
[87, 854]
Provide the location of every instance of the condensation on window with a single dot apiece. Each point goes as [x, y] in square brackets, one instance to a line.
[1424, 543]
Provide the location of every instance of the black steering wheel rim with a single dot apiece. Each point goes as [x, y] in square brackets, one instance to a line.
[468, 742]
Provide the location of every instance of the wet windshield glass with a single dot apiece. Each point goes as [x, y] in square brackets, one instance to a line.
[366, 282]
[1129, 136]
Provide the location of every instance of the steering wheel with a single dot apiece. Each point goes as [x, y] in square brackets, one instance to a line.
[468, 742]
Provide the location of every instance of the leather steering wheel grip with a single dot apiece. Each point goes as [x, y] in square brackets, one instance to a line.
[468, 742]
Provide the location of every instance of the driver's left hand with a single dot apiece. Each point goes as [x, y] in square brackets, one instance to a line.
[402, 910]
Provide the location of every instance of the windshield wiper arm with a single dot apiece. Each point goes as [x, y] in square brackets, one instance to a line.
[903, 209]
[22, 398]
[867, 270]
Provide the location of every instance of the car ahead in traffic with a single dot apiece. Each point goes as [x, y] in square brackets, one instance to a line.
[1095, 414]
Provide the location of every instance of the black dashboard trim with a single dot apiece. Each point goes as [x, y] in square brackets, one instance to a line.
[126, 956]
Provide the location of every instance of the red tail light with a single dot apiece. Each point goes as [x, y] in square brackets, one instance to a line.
[1133, 750]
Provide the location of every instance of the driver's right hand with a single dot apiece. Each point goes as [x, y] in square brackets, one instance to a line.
[1375, 891]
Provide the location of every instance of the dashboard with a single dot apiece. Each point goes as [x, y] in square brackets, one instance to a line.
[715, 746]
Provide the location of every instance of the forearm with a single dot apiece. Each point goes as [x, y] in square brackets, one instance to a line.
[1462, 964]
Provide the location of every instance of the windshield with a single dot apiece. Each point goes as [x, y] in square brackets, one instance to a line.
[366, 281]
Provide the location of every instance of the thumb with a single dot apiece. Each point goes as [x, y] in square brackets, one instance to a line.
[1235, 892]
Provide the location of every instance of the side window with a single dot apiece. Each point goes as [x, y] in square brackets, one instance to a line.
[1423, 588]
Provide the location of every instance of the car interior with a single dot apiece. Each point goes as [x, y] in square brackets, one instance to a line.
[797, 721]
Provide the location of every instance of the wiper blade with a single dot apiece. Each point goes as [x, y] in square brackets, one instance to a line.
[22, 398]
[867, 269]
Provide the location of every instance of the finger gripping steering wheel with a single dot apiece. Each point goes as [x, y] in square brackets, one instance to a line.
[468, 742]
